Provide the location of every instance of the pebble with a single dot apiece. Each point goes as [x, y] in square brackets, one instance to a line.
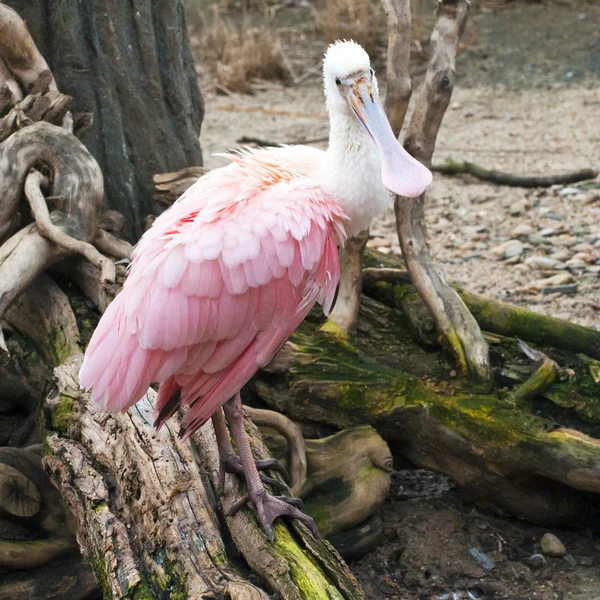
[541, 262]
[518, 207]
[508, 249]
[384, 249]
[548, 231]
[555, 280]
[565, 240]
[561, 255]
[522, 229]
[575, 263]
[583, 247]
[552, 546]
[569, 191]
[585, 257]
[567, 289]
[535, 239]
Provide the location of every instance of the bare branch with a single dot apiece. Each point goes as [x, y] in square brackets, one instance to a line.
[399, 85]
[499, 178]
[113, 246]
[51, 232]
[459, 330]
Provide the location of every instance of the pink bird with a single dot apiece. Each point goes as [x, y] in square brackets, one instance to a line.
[223, 278]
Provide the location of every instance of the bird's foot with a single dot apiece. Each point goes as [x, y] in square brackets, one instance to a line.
[231, 463]
[268, 508]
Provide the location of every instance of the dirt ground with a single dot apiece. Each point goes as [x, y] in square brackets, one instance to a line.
[527, 102]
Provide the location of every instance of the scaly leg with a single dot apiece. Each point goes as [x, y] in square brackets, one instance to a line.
[229, 462]
[268, 507]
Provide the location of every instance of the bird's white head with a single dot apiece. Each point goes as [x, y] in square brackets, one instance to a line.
[351, 89]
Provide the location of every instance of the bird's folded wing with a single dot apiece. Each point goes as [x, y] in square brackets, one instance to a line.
[214, 292]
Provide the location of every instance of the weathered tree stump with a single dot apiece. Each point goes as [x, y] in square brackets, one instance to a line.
[130, 65]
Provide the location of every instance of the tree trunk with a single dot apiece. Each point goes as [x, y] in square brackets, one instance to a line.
[130, 65]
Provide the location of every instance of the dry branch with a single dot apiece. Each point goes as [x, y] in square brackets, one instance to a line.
[51, 232]
[468, 168]
[458, 328]
[399, 85]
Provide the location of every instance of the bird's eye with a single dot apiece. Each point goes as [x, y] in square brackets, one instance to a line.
[372, 72]
[338, 81]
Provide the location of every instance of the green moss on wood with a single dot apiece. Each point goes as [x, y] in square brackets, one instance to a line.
[62, 414]
[305, 572]
[60, 348]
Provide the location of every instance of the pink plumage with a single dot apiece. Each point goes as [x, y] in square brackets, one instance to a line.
[216, 287]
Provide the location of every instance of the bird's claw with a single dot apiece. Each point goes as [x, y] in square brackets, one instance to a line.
[268, 508]
[231, 463]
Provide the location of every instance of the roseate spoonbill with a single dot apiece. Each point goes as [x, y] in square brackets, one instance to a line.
[224, 276]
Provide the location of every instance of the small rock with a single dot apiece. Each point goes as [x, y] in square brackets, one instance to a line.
[568, 191]
[583, 247]
[565, 240]
[384, 249]
[574, 263]
[522, 229]
[555, 280]
[585, 257]
[594, 269]
[552, 546]
[455, 105]
[541, 262]
[535, 239]
[567, 289]
[561, 254]
[548, 231]
[518, 207]
[513, 248]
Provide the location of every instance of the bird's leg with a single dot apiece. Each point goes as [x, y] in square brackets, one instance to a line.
[345, 311]
[268, 507]
[229, 462]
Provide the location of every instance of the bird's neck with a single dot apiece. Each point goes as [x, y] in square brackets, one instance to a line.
[354, 171]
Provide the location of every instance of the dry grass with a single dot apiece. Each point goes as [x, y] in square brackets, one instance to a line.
[358, 20]
[236, 56]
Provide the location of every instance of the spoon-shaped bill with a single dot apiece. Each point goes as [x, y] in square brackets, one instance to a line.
[401, 173]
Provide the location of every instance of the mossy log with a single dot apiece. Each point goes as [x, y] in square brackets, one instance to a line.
[536, 455]
[149, 521]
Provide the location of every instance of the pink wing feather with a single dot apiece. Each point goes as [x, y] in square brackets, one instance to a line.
[216, 287]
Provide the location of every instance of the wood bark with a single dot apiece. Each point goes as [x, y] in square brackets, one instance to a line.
[457, 327]
[130, 65]
[149, 521]
[399, 85]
